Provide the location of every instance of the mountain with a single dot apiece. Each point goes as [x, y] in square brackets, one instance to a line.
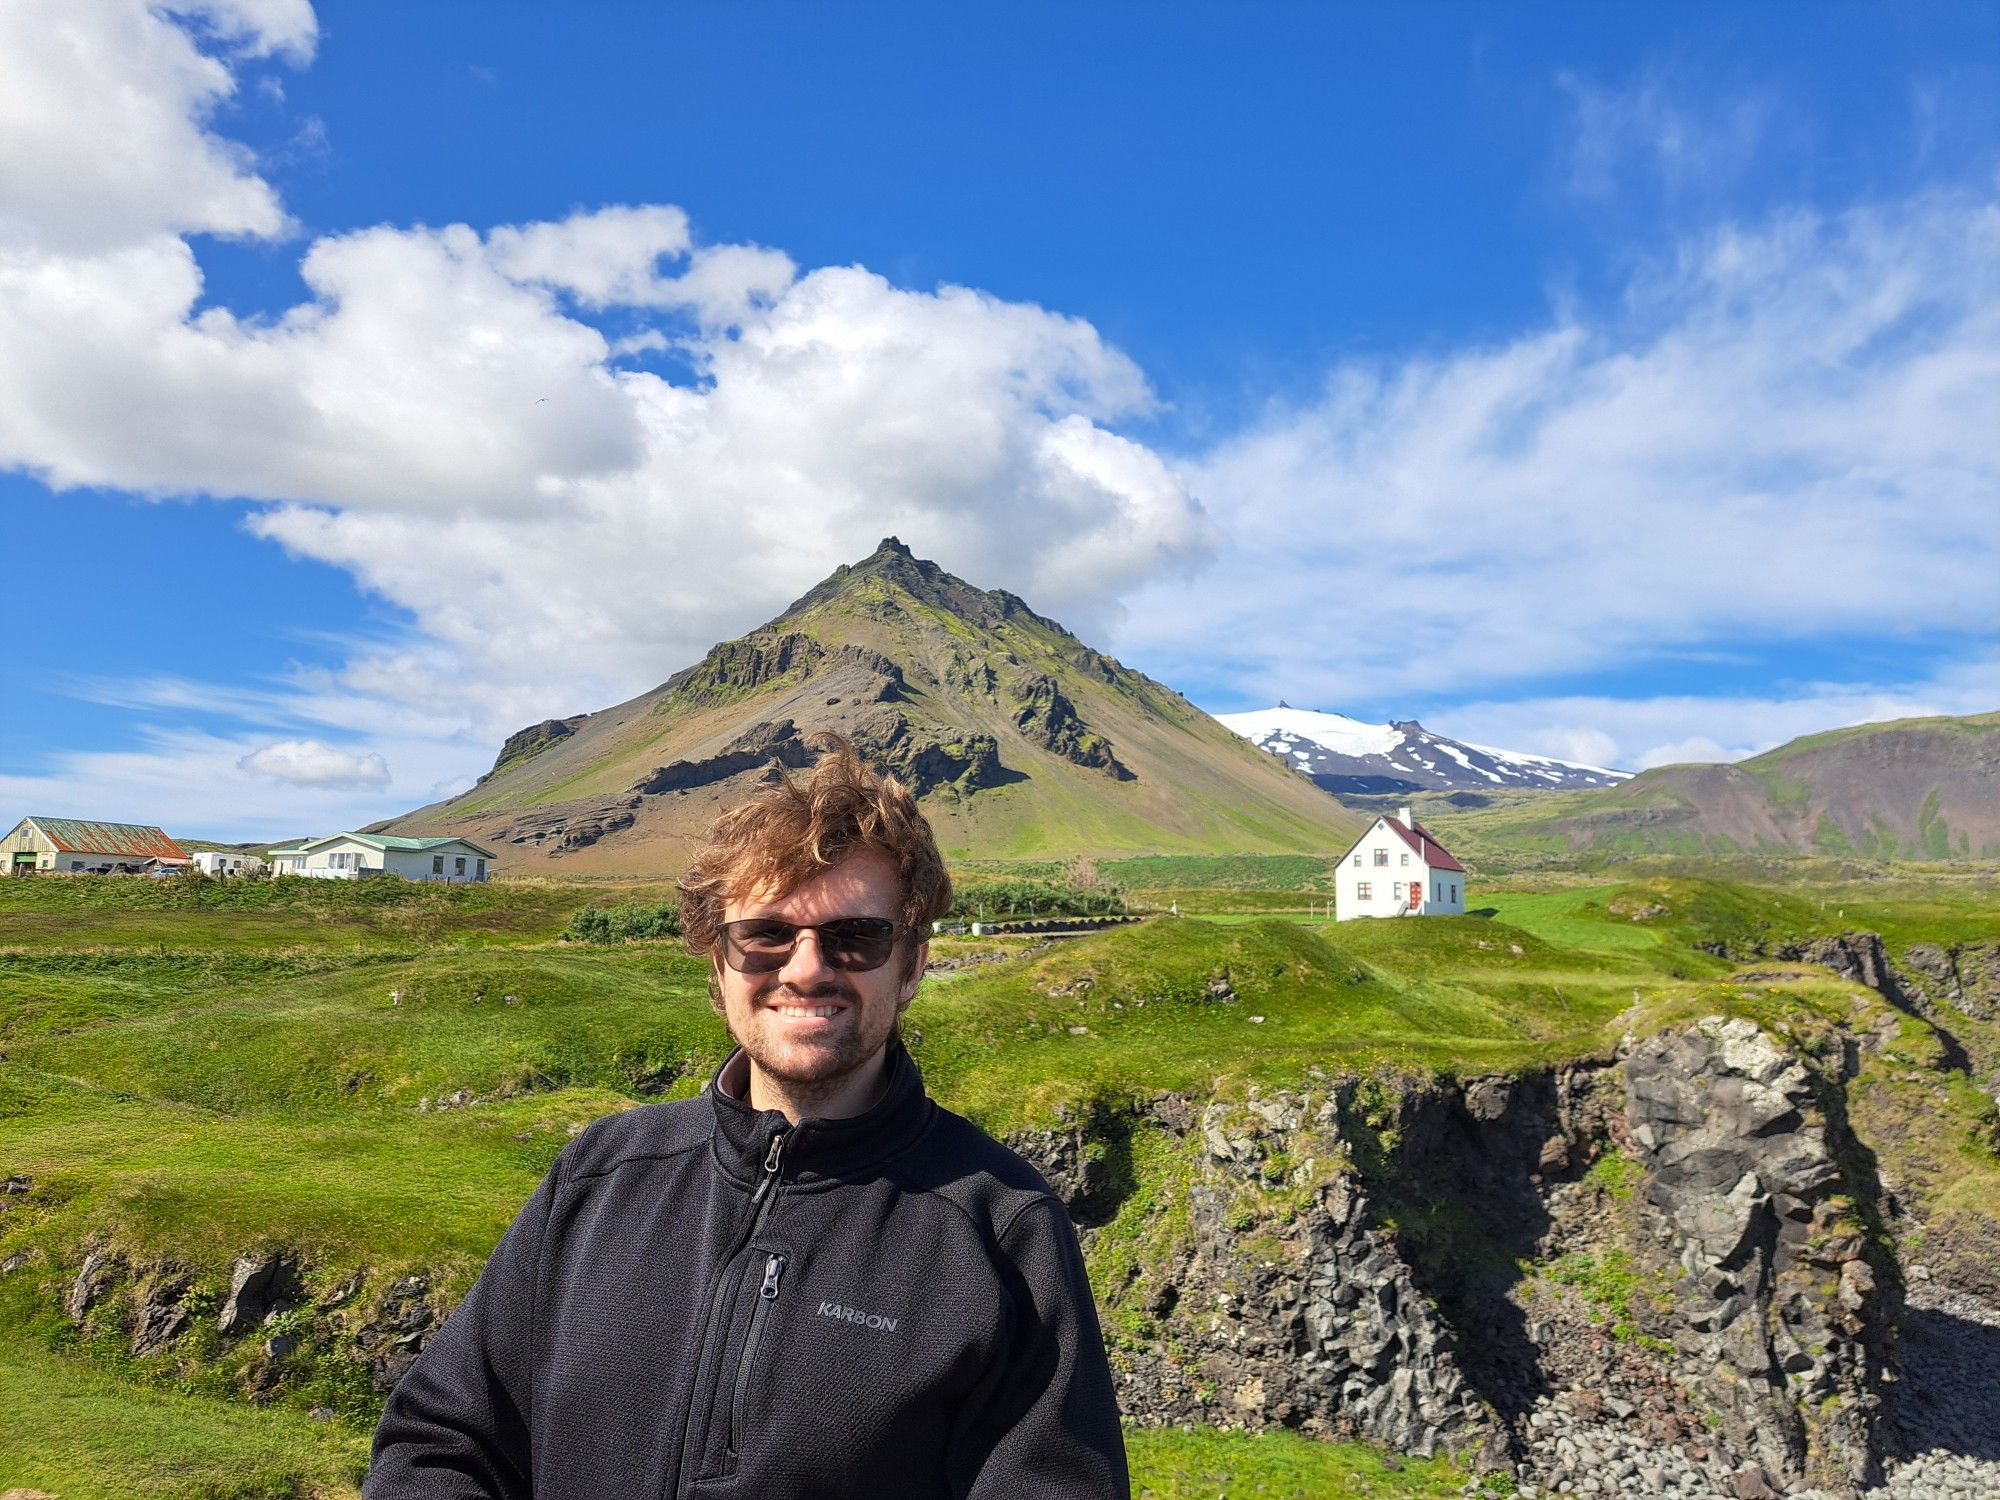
[1019, 739]
[1350, 758]
[1912, 788]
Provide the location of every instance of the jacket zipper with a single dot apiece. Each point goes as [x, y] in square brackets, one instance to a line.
[763, 1197]
[774, 1268]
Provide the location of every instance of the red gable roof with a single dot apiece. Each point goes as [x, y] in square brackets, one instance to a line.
[1425, 845]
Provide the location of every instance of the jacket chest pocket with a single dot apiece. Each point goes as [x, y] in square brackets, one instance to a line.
[768, 1269]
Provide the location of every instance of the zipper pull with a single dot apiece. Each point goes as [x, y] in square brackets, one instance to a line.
[772, 1160]
[773, 1269]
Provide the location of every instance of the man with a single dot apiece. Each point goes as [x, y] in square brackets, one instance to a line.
[811, 1281]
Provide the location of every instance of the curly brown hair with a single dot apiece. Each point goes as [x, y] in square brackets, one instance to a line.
[792, 830]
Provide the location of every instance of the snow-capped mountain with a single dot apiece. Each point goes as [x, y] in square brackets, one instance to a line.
[1348, 757]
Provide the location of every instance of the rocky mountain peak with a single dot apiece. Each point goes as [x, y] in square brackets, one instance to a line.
[894, 567]
[964, 693]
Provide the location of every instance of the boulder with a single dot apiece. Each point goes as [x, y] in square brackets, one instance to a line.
[259, 1285]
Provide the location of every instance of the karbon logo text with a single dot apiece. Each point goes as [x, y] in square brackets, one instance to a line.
[857, 1317]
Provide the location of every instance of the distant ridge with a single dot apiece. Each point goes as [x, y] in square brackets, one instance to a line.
[1350, 757]
[1910, 788]
[1019, 739]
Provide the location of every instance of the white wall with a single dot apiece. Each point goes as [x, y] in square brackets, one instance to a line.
[354, 859]
[411, 864]
[1388, 882]
[218, 862]
[414, 864]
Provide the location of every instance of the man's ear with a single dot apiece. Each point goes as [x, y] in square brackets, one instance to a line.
[918, 964]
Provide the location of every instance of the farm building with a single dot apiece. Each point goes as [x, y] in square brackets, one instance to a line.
[226, 862]
[348, 856]
[1397, 869]
[78, 846]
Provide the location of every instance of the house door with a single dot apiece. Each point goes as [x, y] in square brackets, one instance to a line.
[1416, 894]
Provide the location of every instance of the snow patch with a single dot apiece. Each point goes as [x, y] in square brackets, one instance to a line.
[1335, 732]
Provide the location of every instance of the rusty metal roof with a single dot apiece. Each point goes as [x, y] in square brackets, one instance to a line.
[81, 836]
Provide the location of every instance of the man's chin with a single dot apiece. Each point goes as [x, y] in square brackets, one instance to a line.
[805, 1061]
[802, 1060]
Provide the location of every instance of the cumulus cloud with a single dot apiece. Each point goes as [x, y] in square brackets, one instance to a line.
[444, 417]
[316, 763]
[103, 116]
[191, 783]
[1784, 431]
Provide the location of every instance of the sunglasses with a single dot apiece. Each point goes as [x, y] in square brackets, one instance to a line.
[762, 945]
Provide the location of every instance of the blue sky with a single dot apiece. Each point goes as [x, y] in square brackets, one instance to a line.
[375, 381]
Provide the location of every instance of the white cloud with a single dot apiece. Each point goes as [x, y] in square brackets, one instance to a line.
[192, 784]
[1786, 431]
[316, 763]
[443, 419]
[611, 257]
[102, 121]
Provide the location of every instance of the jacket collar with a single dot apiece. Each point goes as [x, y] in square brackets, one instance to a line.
[817, 1148]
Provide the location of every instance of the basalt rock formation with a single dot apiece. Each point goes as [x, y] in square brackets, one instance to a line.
[1682, 1246]
[1782, 1310]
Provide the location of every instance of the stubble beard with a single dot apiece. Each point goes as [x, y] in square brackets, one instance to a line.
[808, 1069]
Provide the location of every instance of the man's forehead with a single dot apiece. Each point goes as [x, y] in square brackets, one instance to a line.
[862, 884]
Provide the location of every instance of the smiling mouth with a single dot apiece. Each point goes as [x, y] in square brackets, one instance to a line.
[807, 1012]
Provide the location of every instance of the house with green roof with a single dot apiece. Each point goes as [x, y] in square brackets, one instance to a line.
[349, 856]
[83, 846]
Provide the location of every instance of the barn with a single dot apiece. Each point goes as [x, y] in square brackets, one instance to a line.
[82, 846]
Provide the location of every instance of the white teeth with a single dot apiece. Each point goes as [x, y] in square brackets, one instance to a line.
[807, 1010]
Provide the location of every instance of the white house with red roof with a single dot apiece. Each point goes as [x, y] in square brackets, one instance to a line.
[1398, 869]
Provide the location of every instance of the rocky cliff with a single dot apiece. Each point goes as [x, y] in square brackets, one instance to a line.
[1673, 1271]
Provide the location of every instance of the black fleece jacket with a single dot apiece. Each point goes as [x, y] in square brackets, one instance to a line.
[700, 1300]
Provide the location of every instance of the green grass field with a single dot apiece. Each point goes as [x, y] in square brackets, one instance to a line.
[374, 1076]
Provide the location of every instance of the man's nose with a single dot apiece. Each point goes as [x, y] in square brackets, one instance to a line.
[807, 966]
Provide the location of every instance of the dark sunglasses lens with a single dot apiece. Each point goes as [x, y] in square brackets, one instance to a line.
[759, 947]
[858, 943]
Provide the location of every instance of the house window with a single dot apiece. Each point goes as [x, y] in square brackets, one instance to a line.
[1454, 890]
[76, 864]
[459, 865]
[437, 864]
[1357, 861]
[1381, 856]
[479, 869]
[1364, 890]
[1406, 858]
